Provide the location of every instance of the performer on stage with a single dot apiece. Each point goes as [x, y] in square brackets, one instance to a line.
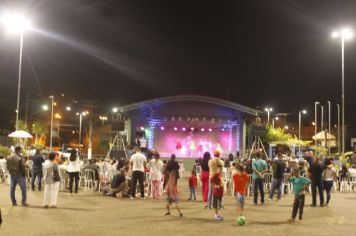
[219, 149]
[178, 146]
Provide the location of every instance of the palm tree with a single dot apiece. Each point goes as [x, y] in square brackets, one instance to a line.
[39, 128]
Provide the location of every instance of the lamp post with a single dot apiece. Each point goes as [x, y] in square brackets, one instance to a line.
[343, 34]
[316, 118]
[300, 128]
[51, 131]
[338, 128]
[268, 110]
[329, 121]
[15, 22]
[81, 114]
[322, 119]
[275, 118]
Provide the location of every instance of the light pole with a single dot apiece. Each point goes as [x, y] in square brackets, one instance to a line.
[15, 22]
[81, 114]
[343, 34]
[338, 128]
[322, 119]
[268, 110]
[329, 120]
[316, 118]
[300, 128]
[275, 118]
[51, 131]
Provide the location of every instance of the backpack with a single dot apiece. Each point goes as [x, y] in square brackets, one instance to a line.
[55, 173]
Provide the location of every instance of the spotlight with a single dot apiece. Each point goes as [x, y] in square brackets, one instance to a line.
[175, 128]
[162, 128]
[142, 128]
[210, 129]
[202, 129]
[192, 129]
[222, 129]
[184, 129]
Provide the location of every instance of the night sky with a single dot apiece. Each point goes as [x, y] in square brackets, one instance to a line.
[256, 53]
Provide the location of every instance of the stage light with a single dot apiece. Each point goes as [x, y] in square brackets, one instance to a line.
[192, 129]
[162, 128]
[175, 128]
[222, 129]
[184, 129]
[202, 129]
[210, 129]
[142, 128]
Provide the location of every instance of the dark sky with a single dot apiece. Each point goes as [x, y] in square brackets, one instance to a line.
[256, 53]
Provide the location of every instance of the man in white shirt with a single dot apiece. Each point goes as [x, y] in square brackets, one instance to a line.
[138, 162]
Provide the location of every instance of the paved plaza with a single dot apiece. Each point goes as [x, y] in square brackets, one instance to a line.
[92, 214]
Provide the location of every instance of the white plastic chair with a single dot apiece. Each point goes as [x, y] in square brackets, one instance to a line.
[250, 186]
[352, 182]
[286, 184]
[267, 181]
[89, 180]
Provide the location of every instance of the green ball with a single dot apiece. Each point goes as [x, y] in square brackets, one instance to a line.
[240, 220]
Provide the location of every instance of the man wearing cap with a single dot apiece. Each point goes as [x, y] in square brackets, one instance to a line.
[16, 167]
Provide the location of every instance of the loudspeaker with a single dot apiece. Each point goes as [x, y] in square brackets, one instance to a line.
[258, 130]
[118, 126]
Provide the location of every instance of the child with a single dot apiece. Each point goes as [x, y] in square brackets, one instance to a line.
[192, 186]
[299, 184]
[172, 194]
[218, 190]
[241, 181]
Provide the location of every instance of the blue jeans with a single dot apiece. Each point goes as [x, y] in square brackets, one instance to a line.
[192, 194]
[21, 180]
[276, 184]
[258, 185]
[38, 174]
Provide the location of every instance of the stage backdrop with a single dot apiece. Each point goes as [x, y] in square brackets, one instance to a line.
[194, 143]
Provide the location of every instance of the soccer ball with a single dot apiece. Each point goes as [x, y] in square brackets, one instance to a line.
[240, 220]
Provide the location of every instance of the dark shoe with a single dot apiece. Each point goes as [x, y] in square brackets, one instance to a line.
[33, 189]
[180, 215]
[14, 204]
[25, 204]
[46, 206]
[322, 205]
[300, 218]
[312, 205]
[167, 214]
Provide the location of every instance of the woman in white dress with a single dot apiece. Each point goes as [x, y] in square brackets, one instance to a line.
[51, 178]
[156, 170]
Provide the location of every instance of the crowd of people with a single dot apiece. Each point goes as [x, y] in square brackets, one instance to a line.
[154, 176]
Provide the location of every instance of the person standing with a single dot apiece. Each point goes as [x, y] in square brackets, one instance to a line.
[173, 166]
[259, 167]
[213, 169]
[138, 162]
[204, 176]
[217, 184]
[316, 173]
[156, 168]
[278, 173]
[299, 184]
[192, 186]
[52, 180]
[329, 175]
[37, 161]
[16, 168]
[240, 180]
[73, 170]
[172, 194]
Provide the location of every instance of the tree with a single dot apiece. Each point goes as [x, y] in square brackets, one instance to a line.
[39, 129]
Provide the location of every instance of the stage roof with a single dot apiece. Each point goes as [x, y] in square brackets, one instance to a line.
[186, 98]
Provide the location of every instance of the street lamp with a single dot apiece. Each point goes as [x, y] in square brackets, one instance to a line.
[338, 128]
[268, 110]
[316, 118]
[300, 127]
[344, 34]
[103, 119]
[17, 23]
[68, 108]
[329, 121]
[51, 132]
[81, 114]
[275, 118]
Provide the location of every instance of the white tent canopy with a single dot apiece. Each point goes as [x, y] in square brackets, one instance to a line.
[20, 134]
[322, 135]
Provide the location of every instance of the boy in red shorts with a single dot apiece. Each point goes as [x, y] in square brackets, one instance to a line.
[241, 180]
